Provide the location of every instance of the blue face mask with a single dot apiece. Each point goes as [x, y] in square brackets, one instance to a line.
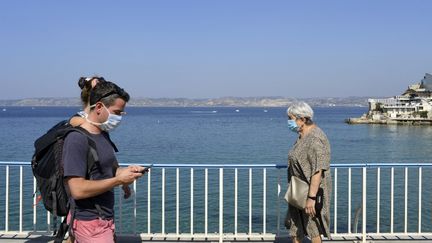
[292, 125]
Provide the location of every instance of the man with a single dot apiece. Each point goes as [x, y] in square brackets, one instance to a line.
[92, 194]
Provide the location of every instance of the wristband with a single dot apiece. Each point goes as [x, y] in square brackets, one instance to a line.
[313, 198]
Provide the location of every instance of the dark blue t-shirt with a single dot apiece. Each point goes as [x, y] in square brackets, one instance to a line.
[75, 151]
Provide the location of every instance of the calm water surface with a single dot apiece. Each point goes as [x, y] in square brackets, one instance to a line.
[223, 135]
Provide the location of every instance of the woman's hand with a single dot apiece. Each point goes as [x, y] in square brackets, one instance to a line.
[310, 207]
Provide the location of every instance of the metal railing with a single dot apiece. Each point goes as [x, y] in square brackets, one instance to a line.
[241, 201]
[373, 204]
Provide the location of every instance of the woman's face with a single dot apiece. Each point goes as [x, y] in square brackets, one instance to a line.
[299, 121]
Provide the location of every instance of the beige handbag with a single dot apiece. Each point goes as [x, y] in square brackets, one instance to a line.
[297, 192]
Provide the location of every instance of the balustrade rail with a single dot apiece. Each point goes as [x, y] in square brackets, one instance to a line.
[241, 201]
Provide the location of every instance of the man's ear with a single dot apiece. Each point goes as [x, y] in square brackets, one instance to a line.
[99, 107]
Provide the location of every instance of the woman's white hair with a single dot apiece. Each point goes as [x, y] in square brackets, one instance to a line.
[300, 109]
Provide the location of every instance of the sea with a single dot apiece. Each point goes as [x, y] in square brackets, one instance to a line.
[229, 135]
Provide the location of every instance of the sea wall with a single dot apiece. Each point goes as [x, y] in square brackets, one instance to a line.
[408, 121]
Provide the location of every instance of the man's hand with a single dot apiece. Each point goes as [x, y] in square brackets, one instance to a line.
[129, 174]
[310, 207]
[137, 168]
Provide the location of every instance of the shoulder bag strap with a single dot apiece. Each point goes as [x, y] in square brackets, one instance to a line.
[298, 167]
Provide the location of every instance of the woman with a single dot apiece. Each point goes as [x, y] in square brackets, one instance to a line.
[309, 159]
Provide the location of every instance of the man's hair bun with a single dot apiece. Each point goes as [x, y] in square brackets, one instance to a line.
[81, 82]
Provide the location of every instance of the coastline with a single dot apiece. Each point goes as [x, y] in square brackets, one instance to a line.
[187, 102]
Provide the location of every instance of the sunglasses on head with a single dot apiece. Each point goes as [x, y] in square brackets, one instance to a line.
[106, 95]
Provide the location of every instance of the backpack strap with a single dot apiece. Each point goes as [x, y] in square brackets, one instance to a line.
[53, 193]
[92, 155]
[63, 228]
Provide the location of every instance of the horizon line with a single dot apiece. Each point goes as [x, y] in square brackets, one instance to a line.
[208, 98]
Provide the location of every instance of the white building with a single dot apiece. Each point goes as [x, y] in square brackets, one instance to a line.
[414, 103]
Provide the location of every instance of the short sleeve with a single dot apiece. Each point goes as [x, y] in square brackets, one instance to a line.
[74, 156]
[319, 155]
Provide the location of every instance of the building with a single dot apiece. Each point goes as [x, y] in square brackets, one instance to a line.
[414, 106]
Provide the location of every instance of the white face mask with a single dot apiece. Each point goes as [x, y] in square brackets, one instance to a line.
[110, 124]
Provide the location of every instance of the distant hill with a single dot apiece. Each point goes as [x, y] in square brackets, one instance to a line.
[184, 102]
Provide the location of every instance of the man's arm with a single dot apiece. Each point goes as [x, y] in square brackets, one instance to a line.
[80, 188]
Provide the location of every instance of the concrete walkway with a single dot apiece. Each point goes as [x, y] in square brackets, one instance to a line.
[137, 239]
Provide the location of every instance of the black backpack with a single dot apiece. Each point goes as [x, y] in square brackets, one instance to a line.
[47, 166]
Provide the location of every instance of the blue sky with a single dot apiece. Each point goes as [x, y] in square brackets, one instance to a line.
[207, 49]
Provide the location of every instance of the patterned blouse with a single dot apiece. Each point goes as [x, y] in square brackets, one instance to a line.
[311, 153]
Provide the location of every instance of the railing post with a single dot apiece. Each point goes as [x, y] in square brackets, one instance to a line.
[264, 201]
[206, 202]
[378, 198]
[177, 201]
[192, 202]
[364, 206]
[349, 200]
[135, 206]
[21, 201]
[221, 205]
[235, 200]
[420, 201]
[278, 200]
[7, 200]
[335, 200]
[148, 203]
[250, 201]
[391, 199]
[406, 202]
[163, 201]
[48, 222]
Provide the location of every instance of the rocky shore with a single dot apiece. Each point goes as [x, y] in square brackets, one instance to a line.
[399, 121]
[364, 121]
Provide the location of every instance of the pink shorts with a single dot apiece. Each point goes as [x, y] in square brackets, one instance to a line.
[93, 231]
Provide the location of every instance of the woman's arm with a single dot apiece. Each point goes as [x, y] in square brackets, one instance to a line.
[313, 189]
[76, 121]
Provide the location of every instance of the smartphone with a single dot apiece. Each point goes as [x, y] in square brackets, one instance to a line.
[147, 168]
